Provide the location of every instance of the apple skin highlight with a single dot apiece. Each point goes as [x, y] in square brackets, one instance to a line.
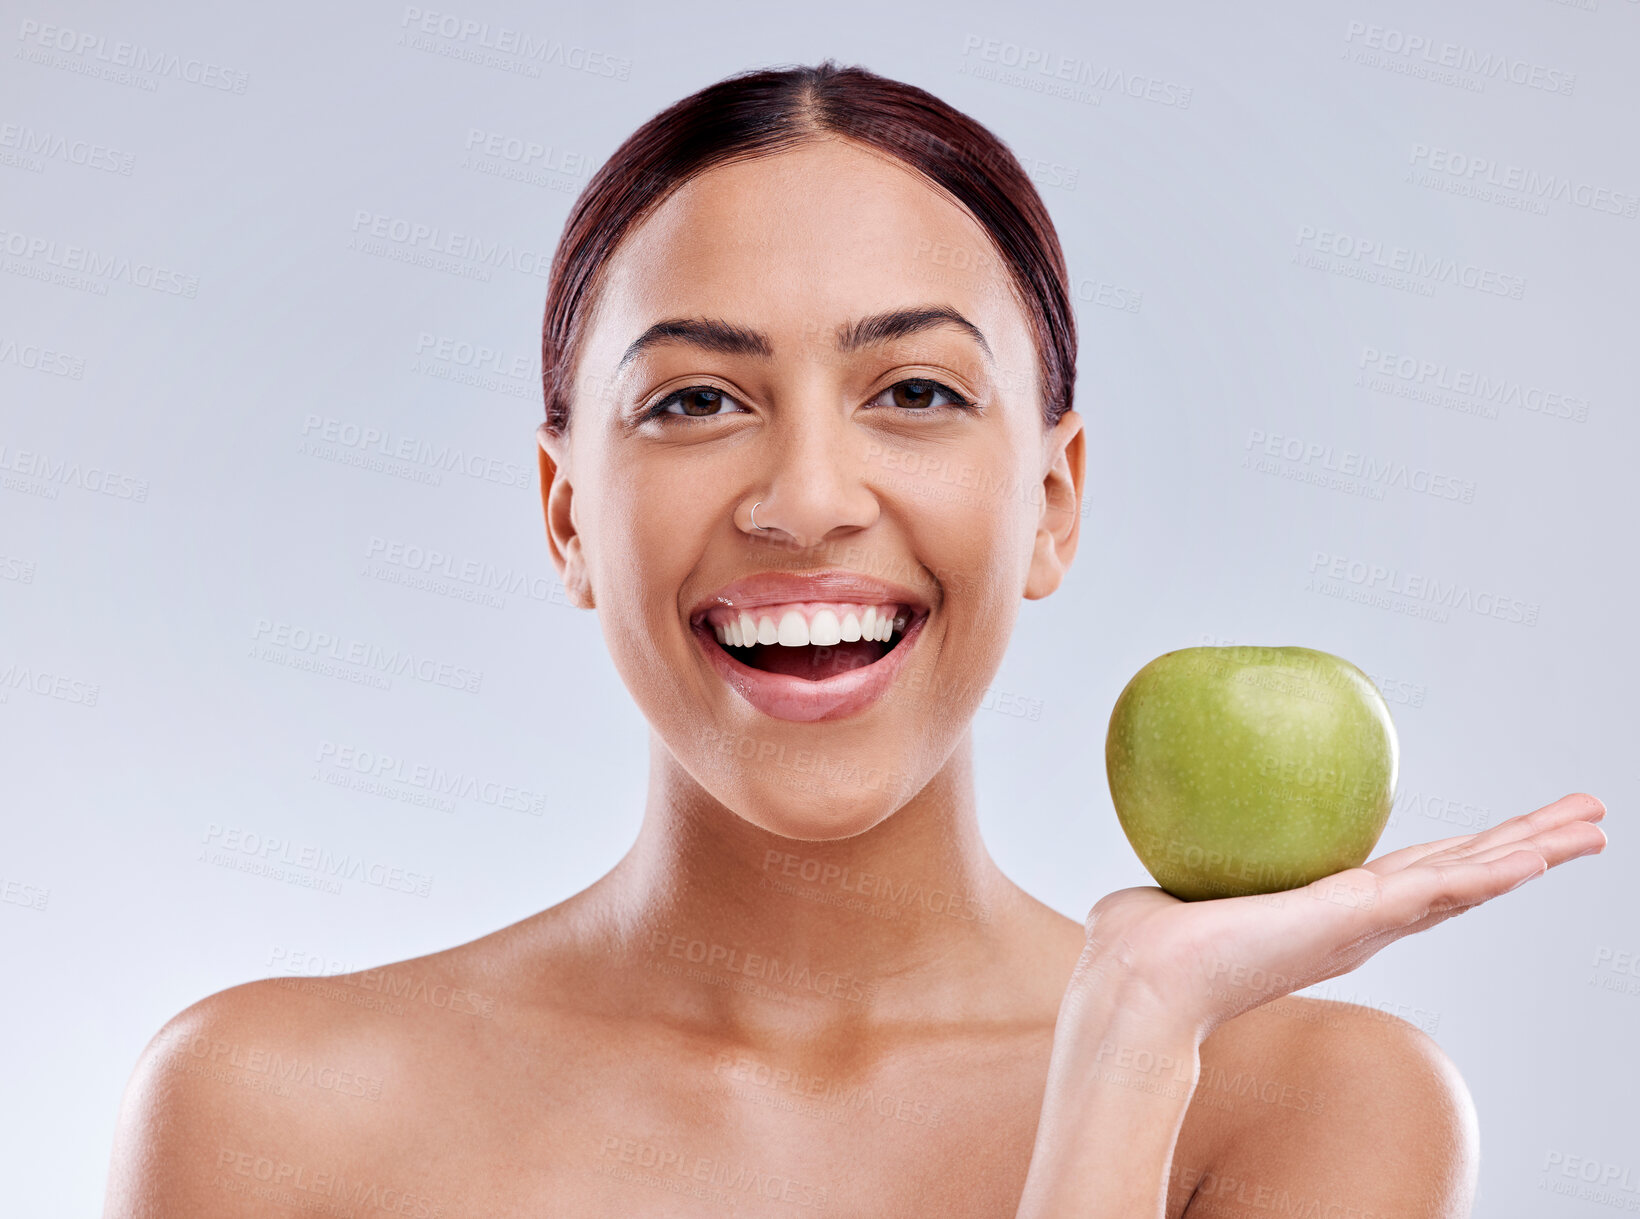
[1245, 770]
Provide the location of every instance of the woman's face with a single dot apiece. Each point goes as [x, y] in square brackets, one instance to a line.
[866, 465]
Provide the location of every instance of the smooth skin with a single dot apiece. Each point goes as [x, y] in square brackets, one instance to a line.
[728, 1014]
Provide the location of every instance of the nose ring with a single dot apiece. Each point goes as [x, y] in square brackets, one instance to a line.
[755, 525]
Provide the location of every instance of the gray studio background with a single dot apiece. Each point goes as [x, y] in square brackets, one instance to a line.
[1330, 236]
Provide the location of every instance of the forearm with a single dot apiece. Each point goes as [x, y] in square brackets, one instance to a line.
[1123, 1069]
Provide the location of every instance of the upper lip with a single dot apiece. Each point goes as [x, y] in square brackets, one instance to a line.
[830, 584]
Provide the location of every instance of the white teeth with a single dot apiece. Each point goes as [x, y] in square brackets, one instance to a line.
[825, 629]
[794, 631]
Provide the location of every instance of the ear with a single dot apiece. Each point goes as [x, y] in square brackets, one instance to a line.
[1059, 527]
[558, 509]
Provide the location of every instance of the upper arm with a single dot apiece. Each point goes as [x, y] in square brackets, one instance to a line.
[205, 1103]
[160, 1156]
[1371, 1119]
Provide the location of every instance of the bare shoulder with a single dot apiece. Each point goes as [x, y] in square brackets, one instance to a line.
[224, 1080]
[1317, 1097]
[246, 1102]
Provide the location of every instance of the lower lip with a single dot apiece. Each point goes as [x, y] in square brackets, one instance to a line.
[792, 698]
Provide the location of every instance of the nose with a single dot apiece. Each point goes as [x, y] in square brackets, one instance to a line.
[812, 487]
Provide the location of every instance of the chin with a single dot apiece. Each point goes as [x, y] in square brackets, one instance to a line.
[817, 816]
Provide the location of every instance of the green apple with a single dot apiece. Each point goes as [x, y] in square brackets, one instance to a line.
[1241, 770]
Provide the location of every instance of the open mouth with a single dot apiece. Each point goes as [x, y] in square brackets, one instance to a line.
[812, 641]
[812, 646]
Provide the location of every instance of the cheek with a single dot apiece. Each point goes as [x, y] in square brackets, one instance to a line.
[646, 542]
[973, 526]
[976, 482]
[977, 540]
[650, 522]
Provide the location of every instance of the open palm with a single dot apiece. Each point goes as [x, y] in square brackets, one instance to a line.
[1217, 958]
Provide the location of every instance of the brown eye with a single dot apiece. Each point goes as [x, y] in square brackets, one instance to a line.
[699, 401]
[920, 394]
[696, 402]
[914, 394]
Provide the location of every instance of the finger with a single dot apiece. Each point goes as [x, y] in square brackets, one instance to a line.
[1581, 835]
[1578, 806]
[1413, 894]
[1398, 859]
[1556, 846]
[1447, 911]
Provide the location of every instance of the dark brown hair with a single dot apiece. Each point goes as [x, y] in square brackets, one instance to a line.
[759, 112]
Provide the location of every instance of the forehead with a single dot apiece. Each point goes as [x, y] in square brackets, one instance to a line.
[796, 242]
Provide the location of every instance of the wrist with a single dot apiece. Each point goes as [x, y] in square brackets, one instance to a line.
[1106, 989]
[1125, 1064]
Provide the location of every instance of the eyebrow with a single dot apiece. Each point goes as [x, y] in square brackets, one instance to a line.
[714, 335]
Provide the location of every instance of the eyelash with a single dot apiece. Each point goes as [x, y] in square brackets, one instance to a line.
[658, 410]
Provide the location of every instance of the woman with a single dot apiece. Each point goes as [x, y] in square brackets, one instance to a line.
[808, 359]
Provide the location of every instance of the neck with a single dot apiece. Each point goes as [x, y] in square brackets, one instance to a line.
[769, 929]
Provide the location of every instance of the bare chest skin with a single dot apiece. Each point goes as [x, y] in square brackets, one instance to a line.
[698, 1130]
[527, 1111]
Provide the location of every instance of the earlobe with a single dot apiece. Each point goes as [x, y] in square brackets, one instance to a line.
[1059, 527]
[563, 541]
